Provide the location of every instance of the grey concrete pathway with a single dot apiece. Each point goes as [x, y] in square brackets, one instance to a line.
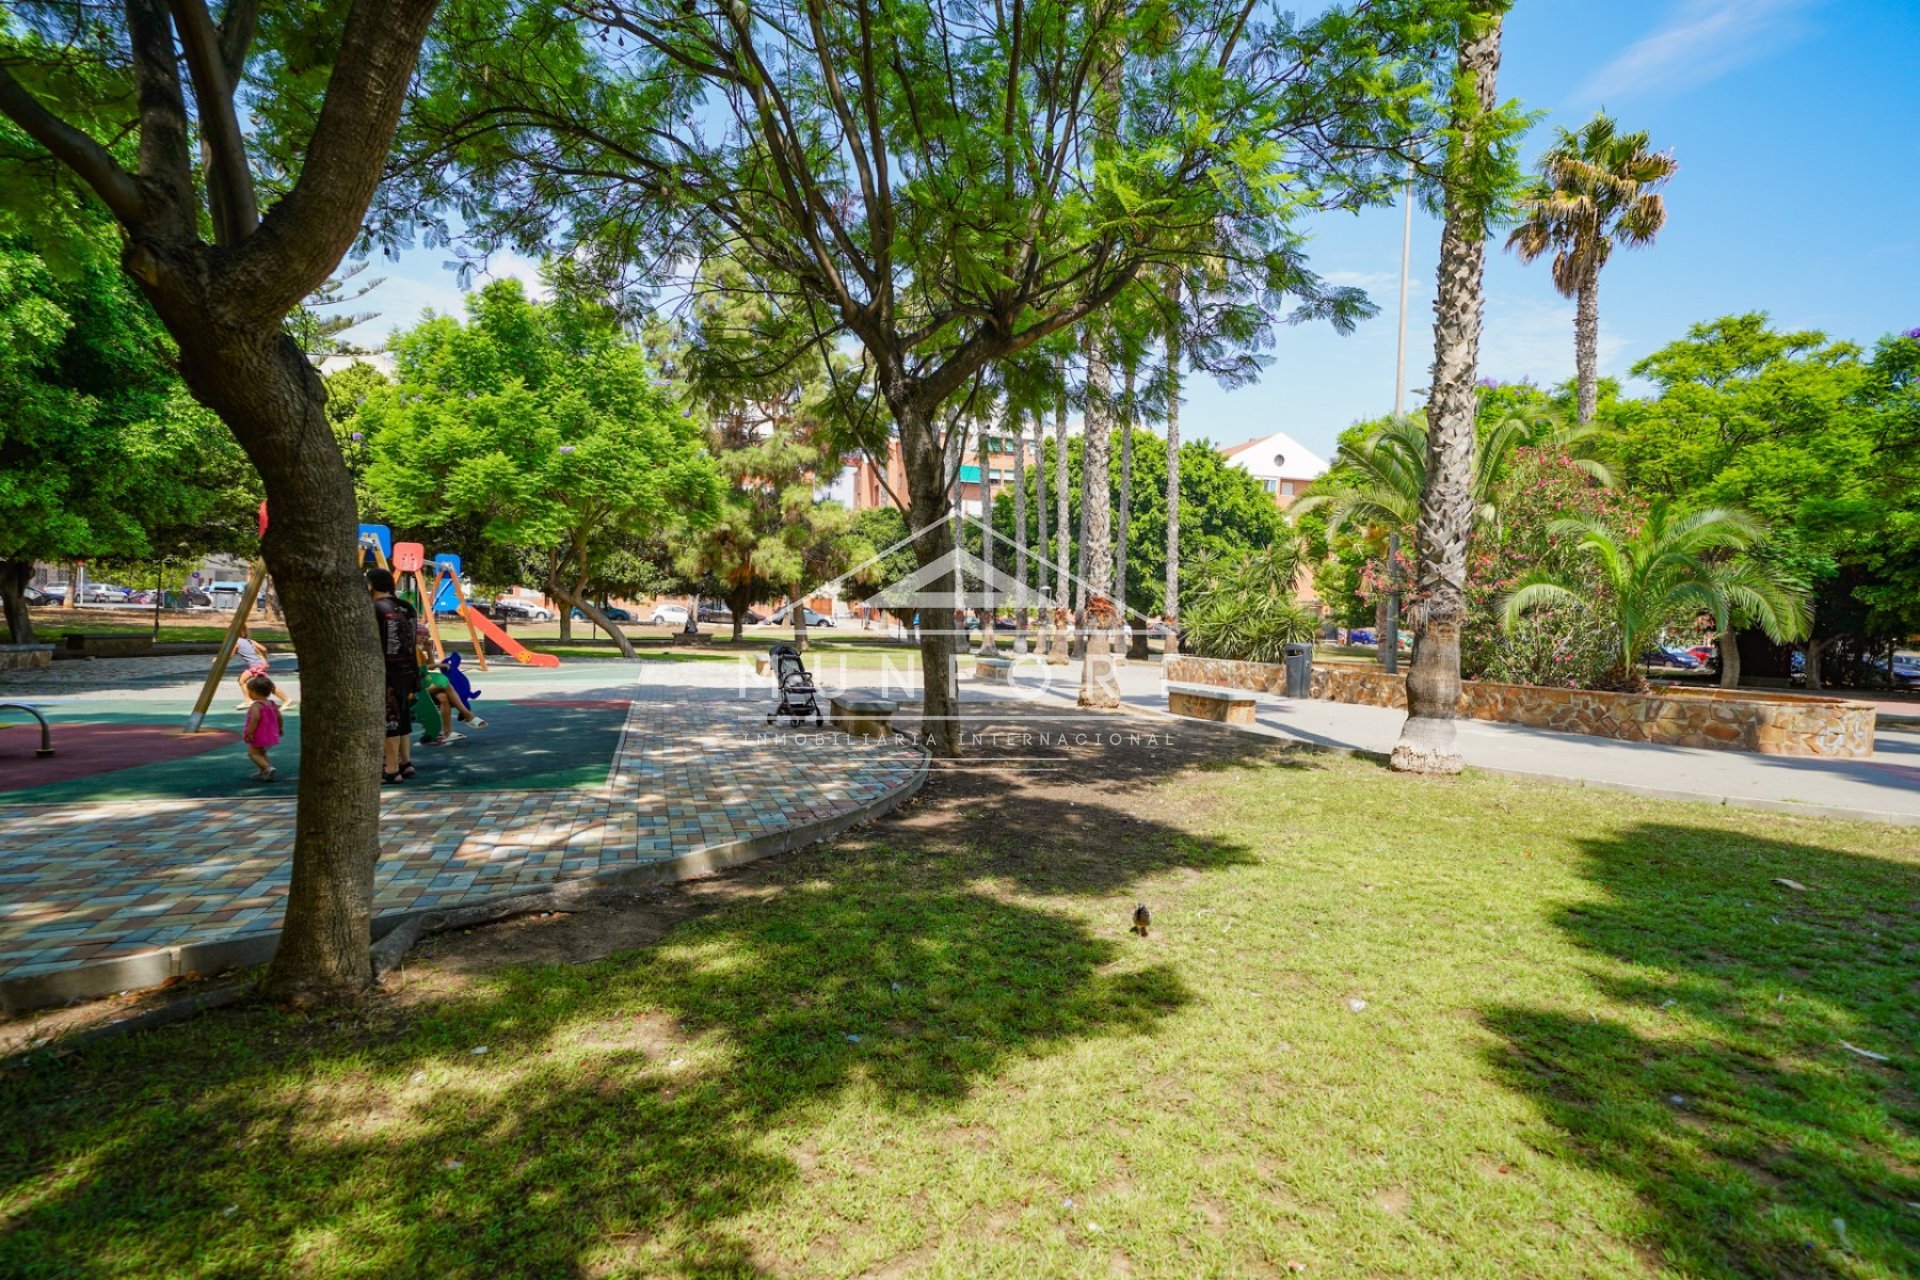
[1885, 788]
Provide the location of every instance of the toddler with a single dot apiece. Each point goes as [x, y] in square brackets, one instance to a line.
[263, 727]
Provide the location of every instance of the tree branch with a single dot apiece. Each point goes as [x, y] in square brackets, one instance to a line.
[304, 236]
[93, 163]
[230, 193]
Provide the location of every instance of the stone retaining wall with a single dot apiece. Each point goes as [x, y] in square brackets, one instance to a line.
[1723, 719]
[20, 657]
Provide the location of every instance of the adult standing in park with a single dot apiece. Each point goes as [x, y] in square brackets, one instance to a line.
[399, 645]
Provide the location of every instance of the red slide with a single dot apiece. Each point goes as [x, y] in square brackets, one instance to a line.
[517, 651]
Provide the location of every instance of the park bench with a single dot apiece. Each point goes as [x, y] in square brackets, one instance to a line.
[81, 644]
[993, 670]
[1205, 702]
[864, 717]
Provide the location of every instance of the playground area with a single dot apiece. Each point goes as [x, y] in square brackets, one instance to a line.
[138, 852]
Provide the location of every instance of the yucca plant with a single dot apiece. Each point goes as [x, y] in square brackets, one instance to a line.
[1249, 608]
[1676, 565]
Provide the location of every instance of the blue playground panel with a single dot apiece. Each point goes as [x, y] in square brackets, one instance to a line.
[381, 535]
[445, 598]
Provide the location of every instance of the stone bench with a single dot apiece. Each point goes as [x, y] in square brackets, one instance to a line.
[82, 645]
[1205, 702]
[993, 670]
[22, 657]
[863, 717]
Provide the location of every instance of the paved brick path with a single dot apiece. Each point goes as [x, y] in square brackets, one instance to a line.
[90, 885]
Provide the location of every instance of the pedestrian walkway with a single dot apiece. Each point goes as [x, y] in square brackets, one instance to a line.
[1884, 788]
[97, 898]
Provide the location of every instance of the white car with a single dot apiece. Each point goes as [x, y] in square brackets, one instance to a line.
[669, 615]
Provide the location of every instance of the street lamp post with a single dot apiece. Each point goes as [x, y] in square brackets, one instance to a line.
[1390, 634]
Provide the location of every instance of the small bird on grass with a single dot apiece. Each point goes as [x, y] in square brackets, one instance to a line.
[1142, 918]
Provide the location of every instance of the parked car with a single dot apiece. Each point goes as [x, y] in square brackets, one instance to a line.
[614, 613]
[1671, 657]
[103, 593]
[1705, 654]
[39, 597]
[1901, 673]
[669, 615]
[509, 609]
[140, 597]
[722, 615]
[784, 617]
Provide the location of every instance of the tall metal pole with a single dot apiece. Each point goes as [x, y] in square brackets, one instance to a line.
[1390, 637]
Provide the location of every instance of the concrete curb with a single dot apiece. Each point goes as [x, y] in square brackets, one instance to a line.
[90, 981]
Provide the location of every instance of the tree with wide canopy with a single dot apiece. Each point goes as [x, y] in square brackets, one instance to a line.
[938, 185]
[227, 226]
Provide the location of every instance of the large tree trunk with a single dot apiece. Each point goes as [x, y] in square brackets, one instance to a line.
[263, 387]
[1174, 355]
[1427, 741]
[14, 577]
[1057, 651]
[1816, 649]
[1019, 531]
[737, 604]
[928, 522]
[1728, 643]
[1123, 516]
[1097, 687]
[1586, 345]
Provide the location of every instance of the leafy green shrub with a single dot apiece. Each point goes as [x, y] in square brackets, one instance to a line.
[1248, 608]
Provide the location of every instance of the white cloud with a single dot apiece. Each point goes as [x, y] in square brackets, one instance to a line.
[1363, 279]
[1702, 40]
[1533, 338]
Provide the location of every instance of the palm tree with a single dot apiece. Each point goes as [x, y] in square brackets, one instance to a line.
[1676, 566]
[1427, 739]
[1171, 609]
[1385, 474]
[1595, 190]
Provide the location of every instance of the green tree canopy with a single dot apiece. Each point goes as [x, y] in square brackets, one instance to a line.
[1804, 433]
[540, 422]
[102, 452]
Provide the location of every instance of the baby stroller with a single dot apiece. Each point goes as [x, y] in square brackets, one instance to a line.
[798, 698]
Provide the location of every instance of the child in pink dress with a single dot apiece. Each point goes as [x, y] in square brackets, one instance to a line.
[263, 726]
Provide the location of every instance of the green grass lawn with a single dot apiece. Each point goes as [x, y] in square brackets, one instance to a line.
[1380, 1028]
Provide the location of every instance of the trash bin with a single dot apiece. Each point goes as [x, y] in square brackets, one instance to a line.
[1299, 670]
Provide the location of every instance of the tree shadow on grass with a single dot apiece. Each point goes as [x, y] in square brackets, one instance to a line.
[1758, 1144]
[617, 1122]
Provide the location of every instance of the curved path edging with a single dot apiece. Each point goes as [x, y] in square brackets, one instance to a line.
[677, 805]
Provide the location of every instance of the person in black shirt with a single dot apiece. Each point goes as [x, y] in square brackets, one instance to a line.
[399, 645]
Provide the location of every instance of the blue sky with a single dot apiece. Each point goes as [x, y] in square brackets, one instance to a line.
[1798, 194]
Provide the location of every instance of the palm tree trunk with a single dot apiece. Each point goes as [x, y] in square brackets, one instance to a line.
[1097, 687]
[1586, 345]
[1019, 531]
[987, 643]
[1125, 518]
[1427, 741]
[1172, 604]
[1728, 642]
[1057, 652]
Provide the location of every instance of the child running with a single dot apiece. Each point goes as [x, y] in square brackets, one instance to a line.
[263, 727]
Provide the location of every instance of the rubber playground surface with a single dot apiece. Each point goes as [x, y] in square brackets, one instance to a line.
[137, 853]
[547, 730]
